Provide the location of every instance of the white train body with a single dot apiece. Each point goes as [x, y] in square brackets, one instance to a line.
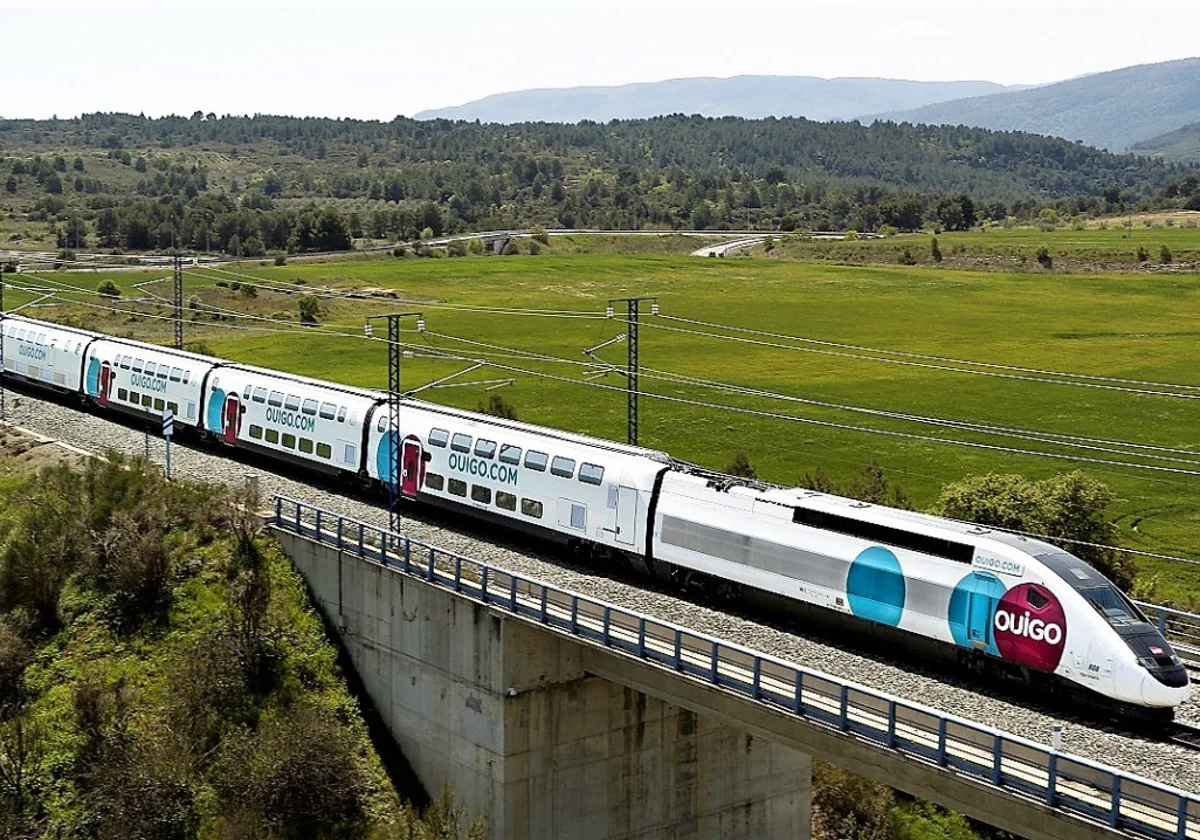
[966, 593]
[44, 353]
[318, 424]
[578, 487]
[145, 379]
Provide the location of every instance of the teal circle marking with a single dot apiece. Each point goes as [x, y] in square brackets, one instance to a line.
[875, 586]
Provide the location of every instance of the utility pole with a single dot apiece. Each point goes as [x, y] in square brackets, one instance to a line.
[394, 355]
[178, 302]
[633, 308]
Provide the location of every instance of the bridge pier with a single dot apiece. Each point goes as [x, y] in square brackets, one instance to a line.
[507, 716]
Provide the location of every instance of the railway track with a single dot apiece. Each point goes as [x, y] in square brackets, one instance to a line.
[1170, 761]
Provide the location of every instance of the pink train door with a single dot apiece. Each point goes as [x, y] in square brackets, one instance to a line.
[105, 384]
[233, 418]
[410, 468]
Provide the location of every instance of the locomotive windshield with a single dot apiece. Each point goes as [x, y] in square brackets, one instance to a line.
[1096, 589]
[1115, 607]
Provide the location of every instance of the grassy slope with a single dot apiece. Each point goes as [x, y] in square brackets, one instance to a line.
[1134, 326]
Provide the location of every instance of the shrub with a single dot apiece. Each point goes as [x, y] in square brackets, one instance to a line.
[249, 290]
[535, 247]
[538, 233]
[1044, 259]
[741, 467]
[497, 406]
[457, 248]
[280, 259]
[476, 246]
[109, 289]
[1142, 254]
[399, 252]
[907, 258]
[1164, 255]
[934, 250]
[310, 309]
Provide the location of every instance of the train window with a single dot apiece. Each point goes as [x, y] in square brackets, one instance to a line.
[353, 421]
[42, 339]
[292, 403]
[562, 467]
[382, 424]
[1035, 599]
[510, 454]
[328, 411]
[485, 448]
[256, 432]
[272, 436]
[461, 443]
[135, 397]
[591, 474]
[137, 365]
[163, 372]
[216, 380]
[434, 481]
[536, 460]
[275, 399]
[187, 375]
[147, 400]
[259, 395]
[531, 508]
[309, 407]
[507, 501]
[173, 407]
[438, 437]
[125, 360]
[246, 393]
[176, 374]
[481, 494]
[306, 446]
[458, 487]
[150, 368]
[324, 450]
[122, 394]
[289, 440]
[885, 534]
[159, 405]
[342, 414]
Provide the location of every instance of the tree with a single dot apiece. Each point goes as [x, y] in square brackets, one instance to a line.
[1044, 259]
[935, 251]
[1142, 254]
[310, 309]
[1164, 255]
[77, 165]
[1071, 507]
[476, 246]
[140, 164]
[109, 289]
[497, 406]
[907, 258]
[11, 184]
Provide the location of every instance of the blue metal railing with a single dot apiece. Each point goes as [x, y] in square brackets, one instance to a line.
[1021, 767]
[1181, 629]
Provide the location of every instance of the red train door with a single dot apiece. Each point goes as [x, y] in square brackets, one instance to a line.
[410, 468]
[105, 384]
[233, 417]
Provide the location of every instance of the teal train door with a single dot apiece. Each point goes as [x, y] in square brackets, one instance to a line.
[973, 609]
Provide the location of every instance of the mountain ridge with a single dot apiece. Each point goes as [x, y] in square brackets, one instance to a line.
[750, 96]
[1112, 110]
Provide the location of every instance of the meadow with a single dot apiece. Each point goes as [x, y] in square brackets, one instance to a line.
[1136, 326]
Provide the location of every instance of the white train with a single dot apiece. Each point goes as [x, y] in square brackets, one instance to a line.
[966, 594]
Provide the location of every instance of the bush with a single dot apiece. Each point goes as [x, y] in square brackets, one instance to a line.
[310, 309]
[907, 258]
[538, 233]
[399, 252]
[249, 290]
[497, 406]
[457, 248]
[1044, 259]
[1142, 254]
[476, 246]
[109, 289]
[741, 467]
[935, 251]
[535, 248]
[280, 259]
[1164, 255]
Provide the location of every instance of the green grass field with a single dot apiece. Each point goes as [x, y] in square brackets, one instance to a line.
[1136, 326]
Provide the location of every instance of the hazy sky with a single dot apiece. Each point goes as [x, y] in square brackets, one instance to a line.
[377, 59]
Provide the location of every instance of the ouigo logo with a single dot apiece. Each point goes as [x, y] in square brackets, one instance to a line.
[1031, 627]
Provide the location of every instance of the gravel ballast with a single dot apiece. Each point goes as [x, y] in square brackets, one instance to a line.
[1166, 763]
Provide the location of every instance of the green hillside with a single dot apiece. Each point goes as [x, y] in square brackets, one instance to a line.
[251, 185]
[1179, 146]
[1111, 110]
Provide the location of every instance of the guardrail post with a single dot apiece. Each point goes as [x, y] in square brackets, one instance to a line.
[279, 511]
[891, 733]
[798, 697]
[319, 525]
[678, 662]
[607, 618]
[483, 593]
[575, 615]
[756, 688]
[997, 759]
[544, 617]
[716, 661]
[362, 551]
[432, 562]
[512, 593]
[298, 530]
[457, 573]
[341, 522]
[1181, 827]
[641, 646]
[844, 723]
[941, 751]
[1162, 623]
[1114, 816]
[1051, 779]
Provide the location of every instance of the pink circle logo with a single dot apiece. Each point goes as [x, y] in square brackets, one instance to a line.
[1030, 627]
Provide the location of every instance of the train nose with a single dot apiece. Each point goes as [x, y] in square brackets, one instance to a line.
[1159, 695]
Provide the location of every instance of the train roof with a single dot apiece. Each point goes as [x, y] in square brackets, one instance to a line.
[51, 325]
[312, 382]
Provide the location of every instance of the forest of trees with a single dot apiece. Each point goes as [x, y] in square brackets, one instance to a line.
[249, 185]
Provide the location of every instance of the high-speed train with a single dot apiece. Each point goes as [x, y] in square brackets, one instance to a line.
[978, 598]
